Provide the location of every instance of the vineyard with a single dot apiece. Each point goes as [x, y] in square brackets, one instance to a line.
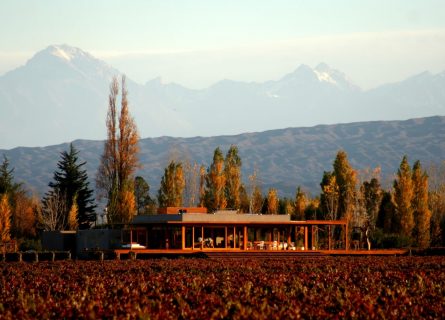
[326, 287]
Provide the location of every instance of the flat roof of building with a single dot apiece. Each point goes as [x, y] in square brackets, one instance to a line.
[225, 218]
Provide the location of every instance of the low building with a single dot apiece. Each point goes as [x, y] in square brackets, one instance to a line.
[194, 229]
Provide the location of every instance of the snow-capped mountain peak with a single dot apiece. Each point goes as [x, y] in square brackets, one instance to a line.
[65, 52]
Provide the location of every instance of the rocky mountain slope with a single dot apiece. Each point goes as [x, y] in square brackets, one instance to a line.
[285, 158]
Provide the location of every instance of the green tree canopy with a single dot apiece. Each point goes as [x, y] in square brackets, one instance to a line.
[71, 181]
[171, 191]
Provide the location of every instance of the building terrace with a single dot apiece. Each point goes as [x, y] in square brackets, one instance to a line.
[193, 229]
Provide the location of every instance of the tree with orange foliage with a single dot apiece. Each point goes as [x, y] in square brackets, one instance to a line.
[5, 219]
[119, 161]
[272, 201]
[24, 215]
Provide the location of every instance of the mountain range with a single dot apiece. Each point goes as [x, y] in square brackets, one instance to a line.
[284, 158]
[60, 95]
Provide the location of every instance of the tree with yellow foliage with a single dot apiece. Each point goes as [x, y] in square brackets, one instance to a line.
[171, 192]
[73, 223]
[272, 201]
[119, 160]
[215, 197]
[403, 197]
[422, 214]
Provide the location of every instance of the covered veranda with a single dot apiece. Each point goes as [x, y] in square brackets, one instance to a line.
[231, 231]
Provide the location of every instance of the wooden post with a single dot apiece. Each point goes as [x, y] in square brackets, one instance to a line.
[225, 237]
[329, 237]
[193, 237]
[183, 237]
[202, 237]
[306, 229]
[245, 238]
[346, 236]
[234, 237]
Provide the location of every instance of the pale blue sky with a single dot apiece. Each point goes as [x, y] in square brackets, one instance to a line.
[198, 42]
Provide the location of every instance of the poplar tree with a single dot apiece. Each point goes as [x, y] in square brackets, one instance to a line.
[421, 212]
[119, 160]
[232, 172]
[346, 180]
[330, 196]
[372, 193]
[5, 219]
[171, 191]
[215, 197]
[272, 201]
[256, 201]
[403, 197]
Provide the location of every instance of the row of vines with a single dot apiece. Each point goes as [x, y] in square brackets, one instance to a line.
[327, 287]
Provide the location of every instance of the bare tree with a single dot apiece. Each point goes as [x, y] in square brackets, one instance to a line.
[53, 212]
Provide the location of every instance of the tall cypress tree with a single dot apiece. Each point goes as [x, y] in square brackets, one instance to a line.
[71, 181]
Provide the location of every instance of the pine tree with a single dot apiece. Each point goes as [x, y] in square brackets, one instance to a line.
[232, 172]
[5, 219]
[215, 197]
[72, 182]
[119, 160]
[171, 192]
[403, 197]
[7, 184]
[422, 214]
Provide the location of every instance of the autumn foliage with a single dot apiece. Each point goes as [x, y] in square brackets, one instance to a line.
[119, 160]
[301, 288]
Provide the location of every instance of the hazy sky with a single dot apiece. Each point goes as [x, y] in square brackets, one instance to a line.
[196, 43]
